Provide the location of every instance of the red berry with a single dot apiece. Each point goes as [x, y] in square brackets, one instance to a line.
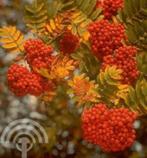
[111, 129]
[38, 54]
[105, 37]
[69, 43]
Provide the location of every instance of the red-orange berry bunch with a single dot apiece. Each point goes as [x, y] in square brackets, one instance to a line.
[38, 54]
[111, 129]
[69, 42]
[22, 82]
[105, 37]
[16, 79]
[110, 7]
[124, 58]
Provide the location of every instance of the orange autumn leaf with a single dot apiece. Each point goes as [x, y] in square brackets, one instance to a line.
[84, 89]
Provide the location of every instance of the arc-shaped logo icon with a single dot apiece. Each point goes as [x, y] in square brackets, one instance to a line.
[23, 134]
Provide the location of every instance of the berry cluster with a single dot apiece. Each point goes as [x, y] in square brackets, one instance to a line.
[110, 7]
[69, 43]
[105, 37]
[38, 54]
[124, 59]
[111, 129]
[23, 82]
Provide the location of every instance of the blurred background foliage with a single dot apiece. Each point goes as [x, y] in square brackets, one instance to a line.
[60, 118]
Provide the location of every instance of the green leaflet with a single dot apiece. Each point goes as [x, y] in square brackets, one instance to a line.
[88, 63]
[136, 97]
[88, 8]
[111, 76]
[36, 16]
[53, 7]
[142, 62]
[134, 15]
[108, 82]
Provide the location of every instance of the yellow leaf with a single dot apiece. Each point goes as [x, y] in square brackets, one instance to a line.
[52, 24]
[86, 36]
[54, 27]
[11, 39]
[43, 72]
[62, 67]
[83, 89]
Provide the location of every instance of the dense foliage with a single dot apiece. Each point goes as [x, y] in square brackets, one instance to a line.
[86, 62]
